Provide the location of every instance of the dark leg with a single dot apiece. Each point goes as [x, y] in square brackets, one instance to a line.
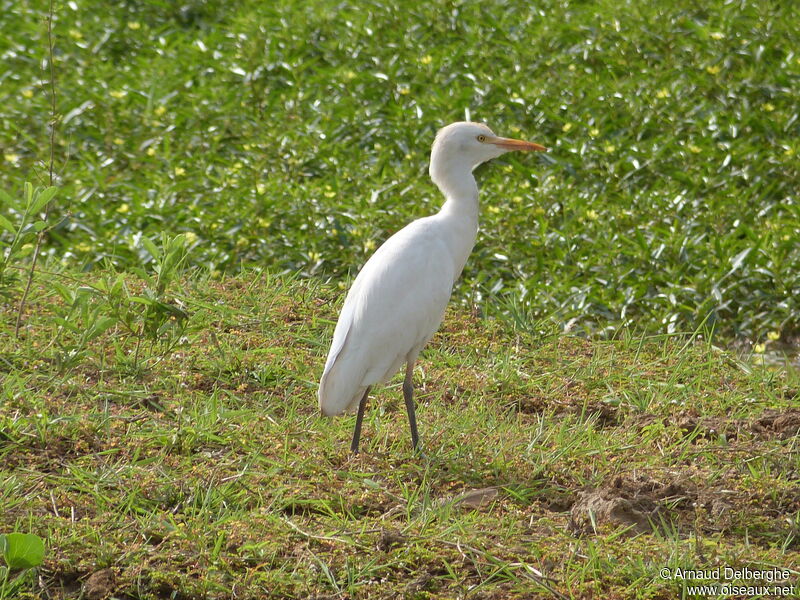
[408, 396]
[357, 433]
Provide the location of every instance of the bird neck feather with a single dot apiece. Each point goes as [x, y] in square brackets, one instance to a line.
[459, 187]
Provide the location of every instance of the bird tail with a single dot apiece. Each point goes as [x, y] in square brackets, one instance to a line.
[337, 394]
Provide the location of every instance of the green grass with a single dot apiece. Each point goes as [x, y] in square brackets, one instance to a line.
[206, 470]
[295, 135]
[158, 423]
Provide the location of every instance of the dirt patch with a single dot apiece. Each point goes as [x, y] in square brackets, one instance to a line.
[772, 424]
[571, 399]
[389, 539]
[99, 585]
[709, 428]
[778, 424]
[640, 504]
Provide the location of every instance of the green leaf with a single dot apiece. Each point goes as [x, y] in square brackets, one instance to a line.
[142, 300]
[737, 260]
[28, 195]
[66, 324]
[23, 550]
[7, 225]
[43, 198]
[151, 247]
[102, 325]
[6, 199]
[117, 285]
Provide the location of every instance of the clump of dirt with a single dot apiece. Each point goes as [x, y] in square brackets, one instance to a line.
[778, 424]
[709, 428]
[99, 585]
[636, 503]
[572, 400]
[389, 539]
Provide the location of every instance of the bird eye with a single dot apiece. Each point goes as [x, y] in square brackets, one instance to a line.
[481, 138]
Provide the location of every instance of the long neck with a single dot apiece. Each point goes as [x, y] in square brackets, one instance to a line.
[459, 214]
[460, 190]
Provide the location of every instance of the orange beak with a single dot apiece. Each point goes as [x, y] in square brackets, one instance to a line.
[511, 144]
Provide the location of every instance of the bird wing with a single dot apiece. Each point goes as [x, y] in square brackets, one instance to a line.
[394, 306]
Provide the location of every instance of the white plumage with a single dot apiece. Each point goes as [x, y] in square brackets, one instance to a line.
[398, 299]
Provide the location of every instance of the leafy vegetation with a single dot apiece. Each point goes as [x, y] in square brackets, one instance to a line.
[20, 552]
[295, 135]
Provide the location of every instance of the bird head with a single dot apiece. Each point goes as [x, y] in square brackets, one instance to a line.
[466, 144]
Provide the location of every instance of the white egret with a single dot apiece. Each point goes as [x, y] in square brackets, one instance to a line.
[398, 300]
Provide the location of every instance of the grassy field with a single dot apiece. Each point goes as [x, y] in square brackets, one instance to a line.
[295, 135]
[554, 466]
[222, 169]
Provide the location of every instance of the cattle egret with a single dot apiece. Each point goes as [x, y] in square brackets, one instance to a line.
[398, 300]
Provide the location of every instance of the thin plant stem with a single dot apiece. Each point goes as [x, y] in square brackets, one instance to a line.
[53, 122]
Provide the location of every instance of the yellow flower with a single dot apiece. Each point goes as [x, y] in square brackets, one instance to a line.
[83, 247]
[27, 93]
[789, 152]
[180, 171]
[262, 222]
[369, 245]
[592, 215]
[123, 208]
[246, 147]
[11, 157]
[261, 188]
[774, 336]
[160, 110]
[151, 151]
[713, 70]
[314, 256]
[517, 199]
[662, 93]
[349, 75]
[118, 141]
[566, 127]
[117, 94]
[717, 35]
[330, 194]
[594, 132]
[609, 148]
[694, 149]
[426, 60]
[759, 348]
[134, 25]
[403, 89]
[75, 34]
[191, 237]
[768, 107]
[494, 209]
